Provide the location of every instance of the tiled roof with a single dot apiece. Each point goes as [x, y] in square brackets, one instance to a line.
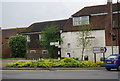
[94, 10]
[38, 27]
[87, 11]
[11, 32]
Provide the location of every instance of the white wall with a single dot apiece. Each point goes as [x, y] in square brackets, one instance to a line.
[75, 49]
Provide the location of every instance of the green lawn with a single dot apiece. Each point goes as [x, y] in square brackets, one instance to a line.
[10, 58]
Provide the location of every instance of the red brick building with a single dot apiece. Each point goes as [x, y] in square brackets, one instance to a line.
[97, 16]
[33, 34]
[6, 33]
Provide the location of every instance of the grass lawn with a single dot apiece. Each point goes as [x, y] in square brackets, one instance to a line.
[10, 58]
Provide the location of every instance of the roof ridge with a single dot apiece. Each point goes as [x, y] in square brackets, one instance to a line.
[14, 28]
[82, 11]
[100, 5]
[49, 21]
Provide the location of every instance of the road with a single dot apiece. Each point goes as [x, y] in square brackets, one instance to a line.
[81, 74]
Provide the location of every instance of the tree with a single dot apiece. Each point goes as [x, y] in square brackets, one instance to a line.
[18, 45]
[50, 34]
[84, 38]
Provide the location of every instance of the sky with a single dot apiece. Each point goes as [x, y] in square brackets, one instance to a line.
[23, 13]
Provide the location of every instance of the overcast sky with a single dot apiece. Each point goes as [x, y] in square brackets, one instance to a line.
[22, 13]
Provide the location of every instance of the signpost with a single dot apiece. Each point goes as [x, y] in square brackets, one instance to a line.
[99, 50]
[57, 44]
[54, 43]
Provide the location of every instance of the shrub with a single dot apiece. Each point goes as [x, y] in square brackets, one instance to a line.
[45, 64]
[10, 65]
[18, 45]
[19, 64]
[76, 58]
[100, 63]
[90, 64]
[87, 64]
[69, 59]
[53, 60]
[67, 62]
[58, 64]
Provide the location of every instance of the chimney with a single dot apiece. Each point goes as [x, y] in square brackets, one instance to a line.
[108, 27]
[109, 16]
[109, 1]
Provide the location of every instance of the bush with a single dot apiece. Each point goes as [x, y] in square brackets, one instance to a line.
[18, 45]
[87, 64]
[19, 64]
[76, 58]
[90, 64]
[66, 62]
[11, 65]
[69, 60]
[100, 63]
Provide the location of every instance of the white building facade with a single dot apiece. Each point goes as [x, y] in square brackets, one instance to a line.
[75, 50]
[100, 21]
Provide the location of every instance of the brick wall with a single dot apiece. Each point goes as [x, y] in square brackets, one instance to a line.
[0, 42]
[36, 55]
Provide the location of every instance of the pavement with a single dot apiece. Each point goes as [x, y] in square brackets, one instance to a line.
[68, 74]
[54, 69]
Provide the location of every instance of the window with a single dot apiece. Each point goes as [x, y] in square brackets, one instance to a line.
[112, 57]
[28, 38]
[84, 20]
[39, 37]
[44, 51]
[76, 21]
[32, 51]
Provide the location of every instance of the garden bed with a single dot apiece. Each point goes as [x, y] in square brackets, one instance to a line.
[54, 63]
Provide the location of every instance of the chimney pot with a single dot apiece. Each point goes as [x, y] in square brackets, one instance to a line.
[109, 0]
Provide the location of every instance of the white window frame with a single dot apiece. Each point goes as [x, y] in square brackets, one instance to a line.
[44, 51]
[76, 21]
[33, 52]
[39, 36]
[79, 20]
[28, 38]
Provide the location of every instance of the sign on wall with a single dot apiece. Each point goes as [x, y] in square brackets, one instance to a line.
[99, 49]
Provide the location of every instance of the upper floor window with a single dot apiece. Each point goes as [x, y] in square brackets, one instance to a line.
[40, 37]
[28, 38]
[83, 20]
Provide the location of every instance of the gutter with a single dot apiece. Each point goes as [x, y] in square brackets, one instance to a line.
[103, 13]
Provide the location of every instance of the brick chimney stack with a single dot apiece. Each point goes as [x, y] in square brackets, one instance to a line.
[108, 27]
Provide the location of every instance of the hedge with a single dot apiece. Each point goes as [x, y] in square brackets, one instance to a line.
[67, 62]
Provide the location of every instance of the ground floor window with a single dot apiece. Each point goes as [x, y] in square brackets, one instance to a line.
[44, 51]
[32, 51]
